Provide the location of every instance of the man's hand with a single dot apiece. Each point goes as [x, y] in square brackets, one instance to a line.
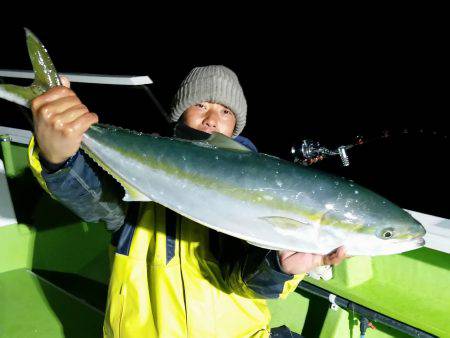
[295, 263]
[60, 120]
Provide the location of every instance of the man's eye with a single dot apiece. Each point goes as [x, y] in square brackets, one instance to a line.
[200, 105]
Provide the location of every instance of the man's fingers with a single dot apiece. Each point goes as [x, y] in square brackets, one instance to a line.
[59, 120]
[81, 124]
[49, 110]
[51, 95]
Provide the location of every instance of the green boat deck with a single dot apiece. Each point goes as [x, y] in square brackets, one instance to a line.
[54, 272]
[34, 307]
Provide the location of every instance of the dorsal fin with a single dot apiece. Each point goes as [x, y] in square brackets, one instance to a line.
[221, 141]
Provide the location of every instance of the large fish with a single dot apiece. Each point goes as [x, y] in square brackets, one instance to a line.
[262, 199]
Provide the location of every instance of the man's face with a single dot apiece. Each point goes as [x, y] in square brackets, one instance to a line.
[210, 117]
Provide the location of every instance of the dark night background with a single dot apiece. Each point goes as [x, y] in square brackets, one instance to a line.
[329, 84]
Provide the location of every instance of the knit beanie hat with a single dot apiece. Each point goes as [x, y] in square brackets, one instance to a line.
[217, 84]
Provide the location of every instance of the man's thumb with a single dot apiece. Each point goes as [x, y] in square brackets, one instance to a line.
[65, 81]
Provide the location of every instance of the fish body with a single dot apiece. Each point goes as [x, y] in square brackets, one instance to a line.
[217, 182]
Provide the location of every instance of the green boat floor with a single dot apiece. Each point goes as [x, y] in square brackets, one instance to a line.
[30, 306]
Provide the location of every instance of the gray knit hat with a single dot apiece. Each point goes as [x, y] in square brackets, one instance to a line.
[217, 84]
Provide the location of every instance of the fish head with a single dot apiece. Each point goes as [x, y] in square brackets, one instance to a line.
[374, 231]
[396, 232]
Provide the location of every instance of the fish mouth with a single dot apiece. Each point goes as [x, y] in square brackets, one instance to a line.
[388, 248]
[412, 244]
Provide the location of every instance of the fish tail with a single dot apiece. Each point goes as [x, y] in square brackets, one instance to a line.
[45, 75]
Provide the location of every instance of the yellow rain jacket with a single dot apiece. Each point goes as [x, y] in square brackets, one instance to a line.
[171, 277]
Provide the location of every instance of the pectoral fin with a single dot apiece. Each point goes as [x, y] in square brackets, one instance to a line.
[285, 223]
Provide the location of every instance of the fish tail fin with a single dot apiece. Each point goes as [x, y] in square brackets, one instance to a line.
[45, 75]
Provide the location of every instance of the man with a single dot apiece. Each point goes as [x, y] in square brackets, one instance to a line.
[171, 277]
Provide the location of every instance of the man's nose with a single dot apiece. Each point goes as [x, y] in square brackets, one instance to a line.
[211, 119]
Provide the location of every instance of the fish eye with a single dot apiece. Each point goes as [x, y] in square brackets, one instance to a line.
[387, 233]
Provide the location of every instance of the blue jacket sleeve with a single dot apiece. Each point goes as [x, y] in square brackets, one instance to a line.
[87, 190]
